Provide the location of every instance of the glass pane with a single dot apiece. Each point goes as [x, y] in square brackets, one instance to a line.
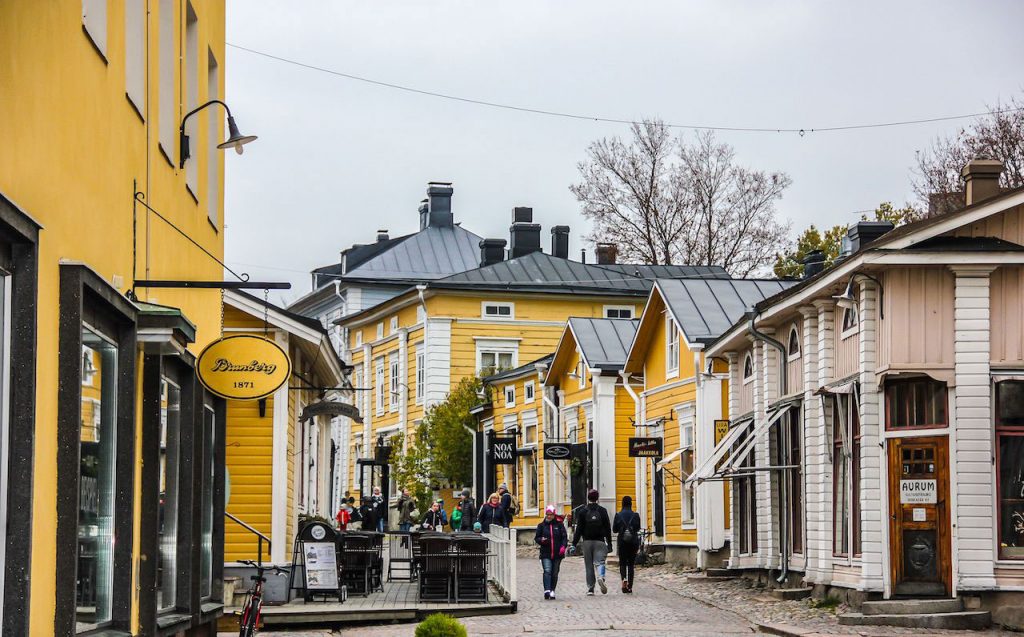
[97, 448]
[1011, 496]
[1010, 403]
[505, 360]
[916, 403]
[167, 522]
[206, 552]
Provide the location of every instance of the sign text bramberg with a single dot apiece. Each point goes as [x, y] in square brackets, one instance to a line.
[243, 367]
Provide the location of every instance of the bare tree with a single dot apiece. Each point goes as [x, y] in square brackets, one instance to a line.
[663, 201]
[999, 135]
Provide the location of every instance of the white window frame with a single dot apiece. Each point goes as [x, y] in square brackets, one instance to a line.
[855, 328]
[421, 374]
[135, 54]
[494, 304]
[510, 395]
[687, 441]
[394, 380]
[393, 326]
[794, 331]
[496, 347]
[94, 21]
[619, 308]
[380, 330]
[743, 370]
[421, 314]
[672, 353]
[167, 61]
[529, 392]
[378, 386]
[359, 338]
[191, 99]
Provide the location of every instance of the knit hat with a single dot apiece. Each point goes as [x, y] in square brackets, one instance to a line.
[592, 495]
[549, 509]
[465, 492]
[476, 526]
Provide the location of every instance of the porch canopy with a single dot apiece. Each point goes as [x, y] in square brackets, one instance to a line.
[707, 468]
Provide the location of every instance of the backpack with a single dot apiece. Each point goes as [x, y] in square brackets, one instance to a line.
[592, 519]
[628, 535]
[513, 505]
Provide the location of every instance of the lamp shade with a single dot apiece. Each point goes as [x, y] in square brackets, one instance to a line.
[235, 138]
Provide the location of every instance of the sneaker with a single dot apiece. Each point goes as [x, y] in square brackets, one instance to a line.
[629, 589]
[625, 586]
[552, 594]
[590, 592]
[604, 587]
[547, 594]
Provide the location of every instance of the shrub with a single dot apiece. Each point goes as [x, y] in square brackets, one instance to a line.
[440, 625]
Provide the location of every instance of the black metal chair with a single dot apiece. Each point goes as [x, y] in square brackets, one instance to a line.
[357, 556]
[401, 561]
[377, 563]
[435, 569]
[470, 556]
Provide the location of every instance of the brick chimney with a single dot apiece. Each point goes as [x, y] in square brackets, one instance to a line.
[607, 253]
[981, 179]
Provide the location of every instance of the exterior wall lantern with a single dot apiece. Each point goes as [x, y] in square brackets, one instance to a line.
[235, 139]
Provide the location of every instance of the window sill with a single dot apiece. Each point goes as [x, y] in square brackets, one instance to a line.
[848, 333]
[172, 621]
[211, 607]
[674, 373]
[104, 632]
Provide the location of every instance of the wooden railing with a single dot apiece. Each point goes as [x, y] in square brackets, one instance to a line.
[501, 561]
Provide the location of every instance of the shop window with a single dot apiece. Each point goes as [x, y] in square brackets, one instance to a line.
[97, 487]
[1010, 468]
[531, 481]
[793, 349]
[846, 454]
[209, 469]
[748, 368]
[167, 517]
[915, 403]
[671, 347]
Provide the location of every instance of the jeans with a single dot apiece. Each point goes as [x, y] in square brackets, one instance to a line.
[594, 554]
[550, 572]
[627, 562]
[380, 525]
[404, 526]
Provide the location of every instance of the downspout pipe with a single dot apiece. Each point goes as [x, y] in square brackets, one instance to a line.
[783, 494]
[641, 477]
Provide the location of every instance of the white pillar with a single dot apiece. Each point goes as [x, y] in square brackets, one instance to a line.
[279, 469]
[604, 438]
[825, 347]
[973, 444]
[871, 491]
[709, 497]
[766, 389]
[814, 455]
[735, 381]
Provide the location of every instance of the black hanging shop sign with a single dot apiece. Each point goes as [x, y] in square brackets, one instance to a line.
[557, 451]
[645, 448]
[503, 450]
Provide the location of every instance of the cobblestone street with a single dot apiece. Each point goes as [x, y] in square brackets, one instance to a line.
[664, 603]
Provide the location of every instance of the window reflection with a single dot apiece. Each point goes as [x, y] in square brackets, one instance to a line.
[97, 448]
[167, 521]
[206, 552]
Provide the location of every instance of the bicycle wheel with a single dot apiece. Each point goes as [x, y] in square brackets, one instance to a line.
[247, 627]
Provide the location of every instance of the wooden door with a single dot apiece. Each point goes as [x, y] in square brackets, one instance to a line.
[919, 524]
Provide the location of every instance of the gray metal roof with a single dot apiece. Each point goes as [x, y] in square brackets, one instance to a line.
[669, 271]
[515, 372]
[539, 270]
[604, 342]
[706, 308]
[431, 253]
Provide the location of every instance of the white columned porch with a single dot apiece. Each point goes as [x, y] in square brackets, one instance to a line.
[871, 491]
[735, 381]
[972, 444]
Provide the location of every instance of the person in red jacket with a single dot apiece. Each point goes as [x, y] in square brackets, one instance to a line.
[553, 540]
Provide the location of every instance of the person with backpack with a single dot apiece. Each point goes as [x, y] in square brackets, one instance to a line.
[627, 526]
[595, 529]
[509, 503]
[553, 540]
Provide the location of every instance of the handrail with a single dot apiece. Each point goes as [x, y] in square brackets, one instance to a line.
[260, 537]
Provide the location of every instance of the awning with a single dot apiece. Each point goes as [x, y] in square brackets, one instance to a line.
[670, 457]
[840, 387]
[748, 445]
[707, 468]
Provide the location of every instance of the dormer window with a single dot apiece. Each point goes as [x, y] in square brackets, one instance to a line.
[748, 368]
[793, 348]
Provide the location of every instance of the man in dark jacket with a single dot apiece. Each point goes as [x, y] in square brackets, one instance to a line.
[506, 503]
[468, 509]
[628, 542]
[594, 527]
[368, 514]
[553, 540]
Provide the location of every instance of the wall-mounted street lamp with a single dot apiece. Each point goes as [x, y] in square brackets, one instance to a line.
[847, 301]
[235, 139]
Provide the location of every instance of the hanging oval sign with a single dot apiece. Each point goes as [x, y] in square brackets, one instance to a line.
[243, 367]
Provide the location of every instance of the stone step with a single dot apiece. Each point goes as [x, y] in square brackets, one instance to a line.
[719, 572]
[791, 593]
[963, 620]
[701, 578]
[912, 606]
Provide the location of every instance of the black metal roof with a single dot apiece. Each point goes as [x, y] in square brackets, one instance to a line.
[604, 342]
[706, 308]
[669, 271]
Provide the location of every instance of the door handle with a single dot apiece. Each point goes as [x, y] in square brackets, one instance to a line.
[893, 517]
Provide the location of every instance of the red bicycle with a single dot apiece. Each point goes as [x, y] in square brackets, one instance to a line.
[250, 619]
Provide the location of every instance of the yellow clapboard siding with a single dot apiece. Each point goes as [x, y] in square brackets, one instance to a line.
[249, 459]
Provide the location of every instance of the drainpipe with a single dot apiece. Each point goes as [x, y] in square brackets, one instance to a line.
[639, 464]
[783, 526]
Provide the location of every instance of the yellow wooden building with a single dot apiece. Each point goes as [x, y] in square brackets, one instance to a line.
[112, 508]
[279, 450]
[680, 397]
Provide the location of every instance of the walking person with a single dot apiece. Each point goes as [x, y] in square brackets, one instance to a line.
[380, 510]
[368, 514]
[627, 528]
[468, 508]
[405, 506]
[553, 540]
[491, 513]
[594, 527]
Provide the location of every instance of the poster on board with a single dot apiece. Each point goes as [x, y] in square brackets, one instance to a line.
[321, 566]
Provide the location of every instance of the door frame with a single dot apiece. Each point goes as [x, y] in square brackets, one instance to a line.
[943, 522]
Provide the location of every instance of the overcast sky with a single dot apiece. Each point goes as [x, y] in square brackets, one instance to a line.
[337, 159]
